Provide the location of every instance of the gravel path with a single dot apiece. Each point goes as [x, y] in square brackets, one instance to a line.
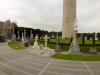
[22, 63]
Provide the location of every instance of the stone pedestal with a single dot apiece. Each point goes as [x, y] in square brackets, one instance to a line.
[14, 37]
[57, 48]
[36, 43]
[93, 50]
[74, 48]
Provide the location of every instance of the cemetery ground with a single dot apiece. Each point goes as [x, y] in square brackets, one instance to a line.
[16, 45]
[14, 62]
[86, 56]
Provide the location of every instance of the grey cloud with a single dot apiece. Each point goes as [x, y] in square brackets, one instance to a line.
[88, 15]
[47, 14]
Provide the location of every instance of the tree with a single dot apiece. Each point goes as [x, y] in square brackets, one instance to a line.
[98, 36]
[83, 38]
[93, 37]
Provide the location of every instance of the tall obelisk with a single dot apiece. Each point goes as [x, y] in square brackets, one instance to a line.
[69, 16]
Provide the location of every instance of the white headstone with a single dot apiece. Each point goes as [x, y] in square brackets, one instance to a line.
[22, 38]
[14, 37]
[24, 35]
[74, 47]
[31, 35]
[36, 43]
[46, 40]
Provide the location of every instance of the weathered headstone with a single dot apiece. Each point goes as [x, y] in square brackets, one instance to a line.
[93, 50]
[57, 48]
[13, 37]
[46, 40]
[36, 42]
[74, 47]
[22, 38]
[31, 35]
[24, 35]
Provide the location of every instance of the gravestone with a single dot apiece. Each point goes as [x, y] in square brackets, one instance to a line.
[93, 50]
[36, 42]
[13, 37]
[31, 38]
[22, 38]
[24, 35]
[46, 40]
[57, 48]
[74, 47]
[31, 35]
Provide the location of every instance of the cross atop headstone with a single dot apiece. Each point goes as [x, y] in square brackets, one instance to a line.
[24, 34]
[57, 48]
[36, 43]
[74, 47]
[22, 38]
[46, 40]
[31, 35]
[13, 35]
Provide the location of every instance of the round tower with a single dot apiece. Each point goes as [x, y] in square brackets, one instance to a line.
[69, 16]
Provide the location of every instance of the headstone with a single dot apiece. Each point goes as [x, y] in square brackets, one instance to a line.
[46, 40]
[74, 47]
[53, 35]
[14, 37]
[31, 35]
[31, 38]
[18, 35]
[93, 50]
[36, 42]
[57, 48]
[22, 38]
[24, 35]
[96, 36]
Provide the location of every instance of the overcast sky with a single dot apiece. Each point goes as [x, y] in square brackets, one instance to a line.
[47, 14]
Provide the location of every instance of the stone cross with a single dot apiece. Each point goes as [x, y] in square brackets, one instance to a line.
[13, 35]
[24, 34]
[22, 38]
[31, 35]
[74, 47]
[46, 40]
[57, 47]
[36, 43]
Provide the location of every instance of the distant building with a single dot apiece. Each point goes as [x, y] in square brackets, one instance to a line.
[6, 28]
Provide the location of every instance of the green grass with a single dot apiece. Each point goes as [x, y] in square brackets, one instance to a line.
[66, 48]
[67, 41]
[16, 45]
[77, 57]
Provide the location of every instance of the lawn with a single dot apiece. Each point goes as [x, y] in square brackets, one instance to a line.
[16, 45]
[66, 47]
[77, 57]
[67, 41]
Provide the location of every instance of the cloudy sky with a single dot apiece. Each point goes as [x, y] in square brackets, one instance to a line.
[47, 14]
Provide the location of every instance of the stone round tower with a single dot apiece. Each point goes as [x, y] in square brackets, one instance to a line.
[69, 16]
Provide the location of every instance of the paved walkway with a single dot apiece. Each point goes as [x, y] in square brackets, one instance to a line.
[22, 63]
